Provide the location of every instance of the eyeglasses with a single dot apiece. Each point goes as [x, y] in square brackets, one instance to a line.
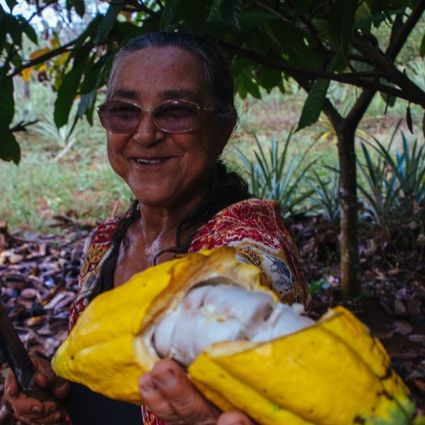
[170, 116]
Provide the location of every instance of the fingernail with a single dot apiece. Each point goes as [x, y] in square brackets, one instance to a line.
[148, 386]
[36, 409]
[167, 377]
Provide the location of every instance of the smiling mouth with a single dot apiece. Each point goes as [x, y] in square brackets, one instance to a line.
[150, 161]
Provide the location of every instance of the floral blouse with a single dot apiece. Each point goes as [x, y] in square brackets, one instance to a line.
[253, 227]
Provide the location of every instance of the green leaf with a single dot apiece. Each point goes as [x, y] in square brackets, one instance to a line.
[251, 18]
[363, 16]
[230, 10]
[291, 43]
[341, 21]
[313, 104]
[90, 31]
[192, 15]
[422, 47]
[9, 147]
[79, 7]
[409, 119]
[91, 74]
[389, 100]
[129, 30]
[173, 12]
[269, 78]
[7, 104]
[68, 89]
[30, 32]
[86, 106]
[2, 26]
[108, 22]
[14, 29]
[244, 81]
[423, 124]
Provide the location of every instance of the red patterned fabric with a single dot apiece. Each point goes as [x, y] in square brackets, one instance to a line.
[253, 227]
[96, 250]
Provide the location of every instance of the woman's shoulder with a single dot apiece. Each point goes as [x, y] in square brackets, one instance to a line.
[104, 231]
[99, 242]
[254, 227]
[256, 219]
[245, 208]
[252, 204]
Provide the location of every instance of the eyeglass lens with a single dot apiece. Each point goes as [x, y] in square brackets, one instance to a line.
[172, 116]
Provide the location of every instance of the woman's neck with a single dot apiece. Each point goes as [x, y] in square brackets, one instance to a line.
[152, 233]
[155, 222]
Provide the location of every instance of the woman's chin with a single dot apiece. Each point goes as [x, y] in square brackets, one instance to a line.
[157, 198]
[174, 201]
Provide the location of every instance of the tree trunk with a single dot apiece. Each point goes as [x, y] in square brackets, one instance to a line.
[350, 284]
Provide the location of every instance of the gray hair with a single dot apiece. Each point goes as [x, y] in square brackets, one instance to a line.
[217, 73]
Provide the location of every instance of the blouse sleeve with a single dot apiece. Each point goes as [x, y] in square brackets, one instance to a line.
[255, 229]
[96, 249]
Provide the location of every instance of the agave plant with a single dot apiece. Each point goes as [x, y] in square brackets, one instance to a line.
[65, 137]
[325, 199]
[395, 181]
[408, 168]
[380, 189]
[276, 174]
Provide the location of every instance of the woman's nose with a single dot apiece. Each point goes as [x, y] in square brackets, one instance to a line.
[147, 132]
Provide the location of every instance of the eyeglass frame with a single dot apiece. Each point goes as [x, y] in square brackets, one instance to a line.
[200, 110]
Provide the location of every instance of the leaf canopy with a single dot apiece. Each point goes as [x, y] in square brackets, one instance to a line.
[267, 41]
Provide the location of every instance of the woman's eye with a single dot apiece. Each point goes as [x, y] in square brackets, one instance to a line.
[176, 111]
[124, 111]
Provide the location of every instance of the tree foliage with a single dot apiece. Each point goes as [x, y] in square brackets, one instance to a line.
[312, 41]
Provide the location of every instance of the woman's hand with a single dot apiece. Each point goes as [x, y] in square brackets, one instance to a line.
[30, 410]
[167, 391]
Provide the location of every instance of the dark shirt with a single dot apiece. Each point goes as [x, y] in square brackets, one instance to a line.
[88, 408]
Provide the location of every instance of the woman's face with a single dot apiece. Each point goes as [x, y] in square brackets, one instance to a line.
[164, 169]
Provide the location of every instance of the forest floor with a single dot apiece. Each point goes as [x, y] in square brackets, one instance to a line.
[38, 279]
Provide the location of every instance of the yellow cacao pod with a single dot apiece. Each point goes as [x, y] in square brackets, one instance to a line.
[331, 373]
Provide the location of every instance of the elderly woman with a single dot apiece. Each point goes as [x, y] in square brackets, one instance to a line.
[168, 115]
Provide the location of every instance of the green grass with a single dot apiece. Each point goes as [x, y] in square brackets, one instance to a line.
[37, 189]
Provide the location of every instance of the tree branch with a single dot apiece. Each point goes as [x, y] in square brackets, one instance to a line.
[38, 11]
[310, 27]
[397, 40]
[386, 65]
[40, 59]
[365, 80]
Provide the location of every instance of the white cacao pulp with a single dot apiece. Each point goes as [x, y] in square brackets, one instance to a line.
[215, 313]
